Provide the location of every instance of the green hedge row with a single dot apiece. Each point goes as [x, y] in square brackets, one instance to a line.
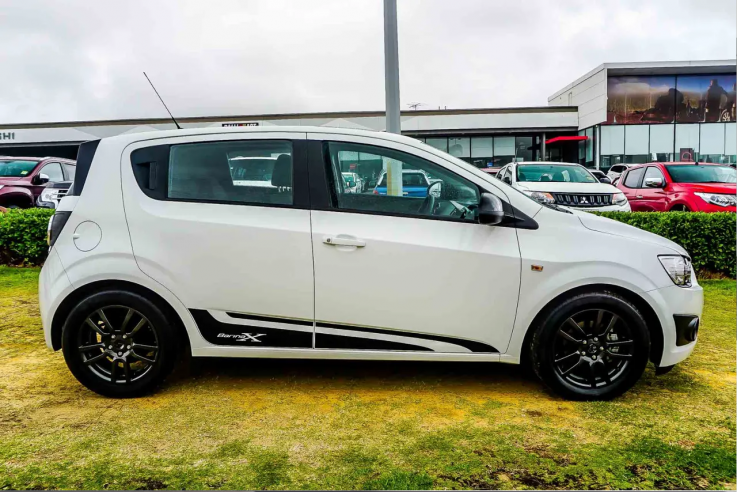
[709, 238]
[23, 236]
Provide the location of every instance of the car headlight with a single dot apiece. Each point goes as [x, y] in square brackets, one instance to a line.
[619, 199]
[49, 196]
[541, 196]
[718, 199]
[678, 268]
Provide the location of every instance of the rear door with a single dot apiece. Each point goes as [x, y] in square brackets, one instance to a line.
[223, 222]
[629, 183]
[402, 273]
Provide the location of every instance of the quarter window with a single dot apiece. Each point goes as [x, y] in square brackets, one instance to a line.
[248, 172]
[633, 178]
[406, 185]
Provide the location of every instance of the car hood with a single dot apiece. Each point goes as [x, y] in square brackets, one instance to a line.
[721, 188]
[13, 181]
[551, 187]
[615, 228]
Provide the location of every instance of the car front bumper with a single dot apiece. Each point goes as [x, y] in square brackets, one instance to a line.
[609, 208]
[676, 308]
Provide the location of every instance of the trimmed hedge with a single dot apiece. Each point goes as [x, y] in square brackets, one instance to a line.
[23, 236]
[709, 238]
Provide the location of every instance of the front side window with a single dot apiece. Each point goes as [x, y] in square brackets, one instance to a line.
[247, 172]
[685, 173]
[653, 172]
[633, 178]
[554, 173]
[406, 185]
[12, 168]
[53, 171]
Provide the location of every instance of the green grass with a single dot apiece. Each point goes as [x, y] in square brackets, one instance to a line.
[274, 424]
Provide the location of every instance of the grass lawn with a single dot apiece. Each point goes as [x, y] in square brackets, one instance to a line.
[357, 425]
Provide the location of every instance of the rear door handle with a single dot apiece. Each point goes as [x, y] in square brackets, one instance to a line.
[344, 241]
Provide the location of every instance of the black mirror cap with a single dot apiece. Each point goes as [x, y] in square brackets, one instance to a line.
[605, 180]
[491, 210]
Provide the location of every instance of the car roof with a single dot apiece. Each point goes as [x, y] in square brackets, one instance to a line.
[546, 163]
[674, 163]
[36, 159]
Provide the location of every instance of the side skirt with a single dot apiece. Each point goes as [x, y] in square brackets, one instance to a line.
[273, 353]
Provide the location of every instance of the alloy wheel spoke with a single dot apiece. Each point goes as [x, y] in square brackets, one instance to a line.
[94, 327]
[611, 324]
[599, 319]
[144, 347]
[567, 336]
[619, 356]
[575, 325]
[88, 348]
[620, 342]
[127, 370]
[592, 376]
[127, 318]
[94, 359]
[114, 371]
[142, 358]
[137, 327]
[563, 373]
[565, 357]
[605, 368]
[105, 320]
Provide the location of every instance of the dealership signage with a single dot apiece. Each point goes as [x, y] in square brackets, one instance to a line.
[245, 123]
[7, 135]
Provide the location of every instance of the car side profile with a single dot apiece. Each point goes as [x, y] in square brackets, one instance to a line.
[159, 247]
[680, 187]
[23, 179]
[563, 183]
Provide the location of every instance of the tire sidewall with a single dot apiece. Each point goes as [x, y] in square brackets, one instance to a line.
[543, 342]
[166, 356]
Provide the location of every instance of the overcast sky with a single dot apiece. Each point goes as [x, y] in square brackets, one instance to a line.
[82, 59]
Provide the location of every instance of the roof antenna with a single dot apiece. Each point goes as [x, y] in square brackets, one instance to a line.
[162, 101]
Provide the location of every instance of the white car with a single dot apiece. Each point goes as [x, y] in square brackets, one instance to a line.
[616, 171]
[155, 250]
[360, 184]
[561, 183]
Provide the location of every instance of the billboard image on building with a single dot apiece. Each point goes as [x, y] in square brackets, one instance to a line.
[652, 99]
[706, 98]
[641, 99]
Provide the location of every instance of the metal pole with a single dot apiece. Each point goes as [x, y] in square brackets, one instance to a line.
[391, 67]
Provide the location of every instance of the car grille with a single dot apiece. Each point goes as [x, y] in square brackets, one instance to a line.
[582, 201]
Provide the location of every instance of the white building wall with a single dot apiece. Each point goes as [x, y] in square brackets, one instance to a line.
[589, 93]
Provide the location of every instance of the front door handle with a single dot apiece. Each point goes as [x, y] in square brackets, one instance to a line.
[342, 240]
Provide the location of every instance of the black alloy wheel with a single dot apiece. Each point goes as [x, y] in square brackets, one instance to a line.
[591, 346]
[119, 343]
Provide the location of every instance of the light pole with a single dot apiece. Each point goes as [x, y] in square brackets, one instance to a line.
[391, 67]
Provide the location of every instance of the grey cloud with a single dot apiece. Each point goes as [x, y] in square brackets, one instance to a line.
[82, 59]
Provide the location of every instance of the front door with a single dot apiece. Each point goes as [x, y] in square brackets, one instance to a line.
[224, 224]
[395, 272]
[654, 199]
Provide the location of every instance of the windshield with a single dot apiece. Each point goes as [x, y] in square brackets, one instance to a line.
[408, 179]
[16, 169]
[702, 174]
[554, 173]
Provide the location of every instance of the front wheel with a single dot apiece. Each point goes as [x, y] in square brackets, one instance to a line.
[119, 344]
[592, 346]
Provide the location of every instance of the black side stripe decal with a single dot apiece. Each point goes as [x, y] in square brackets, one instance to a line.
[272, 319]
[471, 345]
[219, 333]
[331, 341]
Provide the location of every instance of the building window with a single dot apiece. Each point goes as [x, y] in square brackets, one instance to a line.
[711, 143]
[503, 150]
[438, 143]
[482, 151]
[524, 150]
[687, 142]
[460, 147]
[661, 143]
[636, 144]
[730, 143]
[611, 147]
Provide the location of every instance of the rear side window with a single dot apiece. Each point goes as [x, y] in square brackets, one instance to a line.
[633, 178]
[247, 172]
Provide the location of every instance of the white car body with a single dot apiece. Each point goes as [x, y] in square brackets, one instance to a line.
[582, 192]
[616, 171]
[456, 291]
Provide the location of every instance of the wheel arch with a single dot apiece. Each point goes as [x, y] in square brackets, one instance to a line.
[16, 196]
[70, 301]
[652, 321]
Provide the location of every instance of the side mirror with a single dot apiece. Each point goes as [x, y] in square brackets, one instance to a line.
[491, 209]
[40, 179]
[435, 189]
[605, 180]
[654, 183]
[508, 180]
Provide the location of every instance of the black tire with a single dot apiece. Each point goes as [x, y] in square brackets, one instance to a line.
[615, 346]
[115, 335]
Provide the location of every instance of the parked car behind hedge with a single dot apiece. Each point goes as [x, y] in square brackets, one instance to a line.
[22, 179]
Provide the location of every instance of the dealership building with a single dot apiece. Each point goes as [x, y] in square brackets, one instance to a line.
[617, 113]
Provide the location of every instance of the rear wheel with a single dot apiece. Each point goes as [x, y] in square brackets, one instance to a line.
[679, 208]
[592, 346]
[119, 344]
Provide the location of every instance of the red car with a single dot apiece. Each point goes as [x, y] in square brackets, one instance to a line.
[680, 186]
[22, 179]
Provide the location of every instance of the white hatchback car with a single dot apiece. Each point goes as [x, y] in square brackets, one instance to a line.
[562, 183]
[158, 247]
